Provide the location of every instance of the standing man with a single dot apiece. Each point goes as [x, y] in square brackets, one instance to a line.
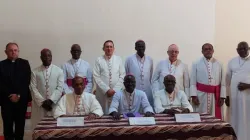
[207, 83]
[172, 66]
[108, 74]
[46, 87]
[14, 92]
[141, 67]
[238, 83]
[77, 67]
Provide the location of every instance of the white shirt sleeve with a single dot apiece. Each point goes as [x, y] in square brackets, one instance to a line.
[97, 77]
[184, 102]
[193, 89]
[57, 93]
[60, 108]
[36, 96]
[157, 103]
[119, 84]
[95, 107]
[228, 79]
[115, 103]
[145, 104]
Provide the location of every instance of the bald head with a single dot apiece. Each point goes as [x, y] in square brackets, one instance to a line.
[45, 50]
[173, 47]
[140, 47]
[169, 82]
[129, 83]
[46, 57]
[173, 52]
[169, 77]
[75, 51]
[78, 85]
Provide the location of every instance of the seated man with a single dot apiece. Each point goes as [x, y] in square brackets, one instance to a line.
[78, 103]
[170, 100]
[130, 100]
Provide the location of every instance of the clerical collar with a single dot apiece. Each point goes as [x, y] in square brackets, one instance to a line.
[74, 60]
[208, 60]
[46, 67]
[13, 61]
[173, 63]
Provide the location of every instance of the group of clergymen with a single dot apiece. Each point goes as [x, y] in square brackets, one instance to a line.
[133, 88]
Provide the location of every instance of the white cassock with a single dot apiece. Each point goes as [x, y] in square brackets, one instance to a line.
[108, 74]
[46, 83]
[239, 71]
[208, 75]
[74, 68]
[142, 69]
[73, 104]
[178, 69]
[164, 100]
[124, 102]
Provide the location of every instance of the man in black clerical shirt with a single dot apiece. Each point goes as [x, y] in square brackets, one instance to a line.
[14, 92]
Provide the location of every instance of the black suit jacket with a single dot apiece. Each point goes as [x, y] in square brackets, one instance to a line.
[17, 84]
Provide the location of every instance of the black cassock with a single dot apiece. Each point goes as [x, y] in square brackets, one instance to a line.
[14, 79]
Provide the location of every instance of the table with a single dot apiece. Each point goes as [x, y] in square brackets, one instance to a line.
[165, 129]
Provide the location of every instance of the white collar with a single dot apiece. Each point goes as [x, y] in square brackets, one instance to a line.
[208, 60]
[174, 63]
[127, 93]
[75, 60]
[46, 67]
[108, 57]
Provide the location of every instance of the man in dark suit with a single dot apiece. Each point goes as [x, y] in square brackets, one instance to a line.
[14, 92]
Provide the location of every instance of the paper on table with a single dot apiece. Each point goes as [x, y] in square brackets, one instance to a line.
[142, 121]
[70, 121]
[191, 117]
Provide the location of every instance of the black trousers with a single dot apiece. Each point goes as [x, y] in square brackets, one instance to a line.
[13, 114]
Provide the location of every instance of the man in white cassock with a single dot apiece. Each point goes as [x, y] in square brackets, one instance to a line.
[77, 67]
[141, 66]
[130, 100]
[170, 100]
[207, 84]
[238, 85]
[172, 66]
[46, 88]
[108, 75]
[79, 102]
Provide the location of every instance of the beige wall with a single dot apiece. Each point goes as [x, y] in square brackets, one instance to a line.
[58, 24]
[232, 26]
